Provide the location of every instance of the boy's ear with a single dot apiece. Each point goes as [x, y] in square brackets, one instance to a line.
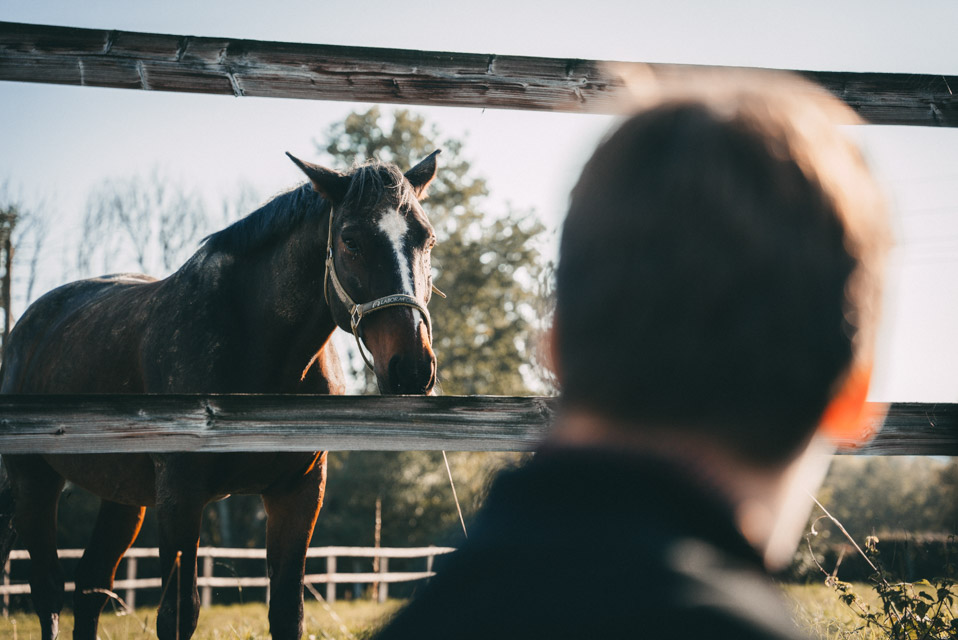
[849, 421]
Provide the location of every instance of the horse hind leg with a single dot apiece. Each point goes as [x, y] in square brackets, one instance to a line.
[37, 490]
[8, 534]
[117, 526]
[179, 512]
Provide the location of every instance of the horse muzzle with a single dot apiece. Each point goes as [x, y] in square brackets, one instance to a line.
[409, 375]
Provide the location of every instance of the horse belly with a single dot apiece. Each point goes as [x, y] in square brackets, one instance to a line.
[253, 473]
[126, 478]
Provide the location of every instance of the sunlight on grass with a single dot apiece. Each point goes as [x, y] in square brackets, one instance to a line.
[816, 609]
[237, 622]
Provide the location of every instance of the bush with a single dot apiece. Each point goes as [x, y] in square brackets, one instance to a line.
[921, 610]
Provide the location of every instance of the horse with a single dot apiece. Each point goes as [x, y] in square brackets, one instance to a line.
[252, 311]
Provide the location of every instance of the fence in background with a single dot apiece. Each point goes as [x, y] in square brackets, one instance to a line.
[127, 586]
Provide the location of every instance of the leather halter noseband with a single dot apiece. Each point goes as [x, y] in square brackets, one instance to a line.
[359, 311]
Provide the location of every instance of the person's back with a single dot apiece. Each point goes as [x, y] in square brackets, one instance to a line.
[598, 545]
[717, 290]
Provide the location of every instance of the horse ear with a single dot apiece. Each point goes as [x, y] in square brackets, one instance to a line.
[331, 184]
[423, 173]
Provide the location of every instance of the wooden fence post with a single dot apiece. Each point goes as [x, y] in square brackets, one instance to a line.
[207, 598]
[330, 583]
[130, 595]
[383, 585]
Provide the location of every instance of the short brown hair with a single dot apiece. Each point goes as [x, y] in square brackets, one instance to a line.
[720, 267]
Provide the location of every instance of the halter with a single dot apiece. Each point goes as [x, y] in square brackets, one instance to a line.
[359, 311]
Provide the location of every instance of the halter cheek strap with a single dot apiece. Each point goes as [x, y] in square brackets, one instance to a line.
[359, 311]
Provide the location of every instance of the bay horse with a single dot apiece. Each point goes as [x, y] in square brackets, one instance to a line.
[252, 311]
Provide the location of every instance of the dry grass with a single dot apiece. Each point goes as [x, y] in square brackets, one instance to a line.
[816, 608]
[238, 622]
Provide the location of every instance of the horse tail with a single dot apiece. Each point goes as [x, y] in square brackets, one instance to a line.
[7, 502]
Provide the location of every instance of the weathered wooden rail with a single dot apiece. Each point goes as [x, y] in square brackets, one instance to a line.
[161, 62]
[207, 581]
[223, 423]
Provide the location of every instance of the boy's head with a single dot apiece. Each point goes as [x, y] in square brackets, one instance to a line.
[720, 269]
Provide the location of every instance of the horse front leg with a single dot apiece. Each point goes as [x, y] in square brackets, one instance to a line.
[291, 515]
[179, 512]
[37, 490]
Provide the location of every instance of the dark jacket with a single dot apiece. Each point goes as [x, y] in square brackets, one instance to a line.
[591, 544]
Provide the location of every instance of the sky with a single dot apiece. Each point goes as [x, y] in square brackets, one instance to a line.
[58, 143]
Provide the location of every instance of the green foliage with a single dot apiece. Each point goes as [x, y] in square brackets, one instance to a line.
[898, 610]
[417, 502]
[882, 495]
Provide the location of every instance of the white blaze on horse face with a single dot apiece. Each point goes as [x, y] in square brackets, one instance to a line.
[393, 224]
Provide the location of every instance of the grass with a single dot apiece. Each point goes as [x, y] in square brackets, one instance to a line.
[237, 622]
[816, 608]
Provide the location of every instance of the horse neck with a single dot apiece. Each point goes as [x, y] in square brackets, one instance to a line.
[280, 291]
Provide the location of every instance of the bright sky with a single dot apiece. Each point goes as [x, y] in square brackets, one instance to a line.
[59, 142]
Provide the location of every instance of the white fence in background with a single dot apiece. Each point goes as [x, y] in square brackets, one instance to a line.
[128, 586]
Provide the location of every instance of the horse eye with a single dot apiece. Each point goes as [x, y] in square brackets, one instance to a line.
[351, 245]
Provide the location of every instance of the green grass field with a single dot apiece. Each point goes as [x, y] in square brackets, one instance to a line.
[237, 622]
[816, 608]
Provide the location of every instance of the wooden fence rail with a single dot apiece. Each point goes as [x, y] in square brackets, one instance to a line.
[161, 62]
[207, 581]
[223, 423]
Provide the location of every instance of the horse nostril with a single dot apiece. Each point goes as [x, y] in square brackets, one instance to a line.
[395, 376]
[407, 375]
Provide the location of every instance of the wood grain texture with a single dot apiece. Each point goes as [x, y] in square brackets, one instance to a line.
[127, 423]
[159, 62]
[222, 423]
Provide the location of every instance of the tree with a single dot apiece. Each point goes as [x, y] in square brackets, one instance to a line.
[22, 231]
[8, 222]
[150, 225]
[878, 495]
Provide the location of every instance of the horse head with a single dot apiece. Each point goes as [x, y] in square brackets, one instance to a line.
[378, 278]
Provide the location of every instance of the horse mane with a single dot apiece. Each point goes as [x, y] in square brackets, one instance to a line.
[278, 217]
[284, 213]
[371, 182]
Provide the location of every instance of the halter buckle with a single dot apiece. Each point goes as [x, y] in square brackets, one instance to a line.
[355, 317]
